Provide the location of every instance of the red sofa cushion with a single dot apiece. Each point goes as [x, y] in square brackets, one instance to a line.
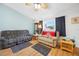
[46, 32]
[52, 33]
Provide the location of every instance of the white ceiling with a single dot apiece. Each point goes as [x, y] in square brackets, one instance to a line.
[53, 9]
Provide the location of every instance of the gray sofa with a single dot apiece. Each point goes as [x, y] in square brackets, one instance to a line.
[14, 37]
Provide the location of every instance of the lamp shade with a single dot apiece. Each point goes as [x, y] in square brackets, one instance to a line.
[36, 21]
[39, 26]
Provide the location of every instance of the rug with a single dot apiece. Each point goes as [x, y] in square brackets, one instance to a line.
[41, 49]
[19, 47]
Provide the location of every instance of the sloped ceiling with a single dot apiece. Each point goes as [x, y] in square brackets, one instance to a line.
[53, 9]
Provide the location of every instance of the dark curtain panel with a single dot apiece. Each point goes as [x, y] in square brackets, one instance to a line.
[60, 25]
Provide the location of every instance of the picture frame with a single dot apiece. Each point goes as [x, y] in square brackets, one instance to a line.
[75, 20]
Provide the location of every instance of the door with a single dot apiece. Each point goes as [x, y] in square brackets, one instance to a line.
[60, 25]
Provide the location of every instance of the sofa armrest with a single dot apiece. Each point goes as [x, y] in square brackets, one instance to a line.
[2, 39]
[3, 42]
[30, 35]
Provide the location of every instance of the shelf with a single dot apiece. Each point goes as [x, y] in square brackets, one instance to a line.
[66, 45]
[67, 49]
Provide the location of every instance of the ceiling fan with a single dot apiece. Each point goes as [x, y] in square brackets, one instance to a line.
[38, 6]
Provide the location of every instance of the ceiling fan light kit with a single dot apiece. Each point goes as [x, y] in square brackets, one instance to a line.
[38, 6]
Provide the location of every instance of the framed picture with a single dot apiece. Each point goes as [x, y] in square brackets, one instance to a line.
[49, 25]
[75, 20]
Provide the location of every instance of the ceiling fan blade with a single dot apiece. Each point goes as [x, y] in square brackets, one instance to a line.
[44, 5]
[28, 4]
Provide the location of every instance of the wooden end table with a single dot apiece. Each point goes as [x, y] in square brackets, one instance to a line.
[34, 37]
[67, 45]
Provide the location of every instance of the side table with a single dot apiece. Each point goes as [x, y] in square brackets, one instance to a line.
[34, 37]
[67, 45]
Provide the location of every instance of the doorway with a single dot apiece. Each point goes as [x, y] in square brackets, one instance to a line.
[60, 25]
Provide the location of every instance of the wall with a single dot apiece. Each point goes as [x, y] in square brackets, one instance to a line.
[72, 30]
[12, 20]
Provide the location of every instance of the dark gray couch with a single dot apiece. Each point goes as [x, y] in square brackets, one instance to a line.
[14, 37]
